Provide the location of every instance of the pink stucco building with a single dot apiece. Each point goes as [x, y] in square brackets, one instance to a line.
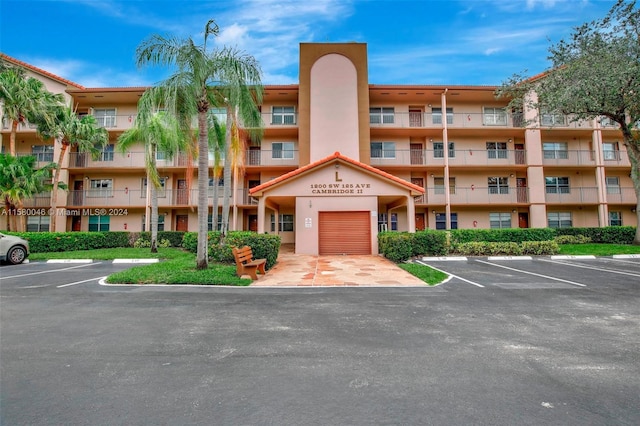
[341, 159]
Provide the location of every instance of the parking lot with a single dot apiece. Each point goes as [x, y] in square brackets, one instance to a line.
[539, 341]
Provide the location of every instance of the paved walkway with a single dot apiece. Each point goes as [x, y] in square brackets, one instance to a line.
[302, 270]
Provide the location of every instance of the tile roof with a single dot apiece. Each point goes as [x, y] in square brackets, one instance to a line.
[335, 156]
[39, 70]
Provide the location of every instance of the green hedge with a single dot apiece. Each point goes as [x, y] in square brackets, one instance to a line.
[264, 246]
[174, 237]
[40, 242]
[400, 246]
[515, 235]
[484, 248]
[608, 235]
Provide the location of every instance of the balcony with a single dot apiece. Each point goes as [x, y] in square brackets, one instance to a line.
[572, 195]
[568, 158]
[428, 120]
[474, 196]
[105, 198]
[465, 157]
[6, 125]
[42, 200]
[271, 158]
[624, 195]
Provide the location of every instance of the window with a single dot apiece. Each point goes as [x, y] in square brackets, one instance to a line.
[383, 150]
[107, 153]
[613, 184]
[106, 117]
[610, 151]
[500, 220]
[100, 188]
[380, 115]
[98, 223]
[438, 185]
[210, 222]
[43, 153]
[219, 113]
[615, 218]
[555, 150]
[550, 118]
[438, 150]
[441, 221]
[498, 185]
[286, 223]
[38, 223]
[161, 192]
[383, 225]
[283, 115]
[496, 149]
[436, 115]
[557, 185]
[607, 122]
[559, 220]
[495, 116]
[160, 222]
[282, 150]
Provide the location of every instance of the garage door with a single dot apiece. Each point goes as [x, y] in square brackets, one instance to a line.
[344, 233]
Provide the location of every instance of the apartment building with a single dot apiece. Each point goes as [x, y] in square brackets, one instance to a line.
[341, 159]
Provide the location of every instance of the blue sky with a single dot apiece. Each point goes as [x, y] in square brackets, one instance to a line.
[93, 42]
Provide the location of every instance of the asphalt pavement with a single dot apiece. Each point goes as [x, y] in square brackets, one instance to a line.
[499, 346]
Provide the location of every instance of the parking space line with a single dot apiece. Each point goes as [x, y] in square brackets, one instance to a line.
[49, 271]
[80, 282]
[613, 271]
[449, 273]
[532, 273]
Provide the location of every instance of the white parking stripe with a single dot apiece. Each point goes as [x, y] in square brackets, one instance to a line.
[48, 271]
[448, 273]
[613, 271]
[83, 281]
[532, 273]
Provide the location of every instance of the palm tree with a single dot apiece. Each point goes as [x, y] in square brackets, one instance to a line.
[25, 99]
[240, 90]
[83, 134]
[159, 132]
[190, 92]
[19, 180]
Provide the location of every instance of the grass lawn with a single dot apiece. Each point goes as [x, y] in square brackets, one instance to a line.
[425, 273]
[598, 249]
[177, 267]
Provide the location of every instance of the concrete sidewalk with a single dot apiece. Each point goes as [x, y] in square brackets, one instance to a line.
[302, 270]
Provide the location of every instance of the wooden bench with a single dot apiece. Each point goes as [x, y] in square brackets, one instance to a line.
[246, 264]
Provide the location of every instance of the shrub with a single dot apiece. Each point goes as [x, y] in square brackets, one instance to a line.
[142, 243]
[608, 235]
[483, 248]
[572, 239]
[40, 242]
[428, 242]
[501, 235]
[395, 246]
[264, 246]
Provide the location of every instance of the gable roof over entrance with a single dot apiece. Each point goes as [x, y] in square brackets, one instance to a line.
[337, 158]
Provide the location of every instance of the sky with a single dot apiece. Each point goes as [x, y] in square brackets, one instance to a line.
[439, 42]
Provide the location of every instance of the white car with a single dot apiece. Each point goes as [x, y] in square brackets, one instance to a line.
[13, 249]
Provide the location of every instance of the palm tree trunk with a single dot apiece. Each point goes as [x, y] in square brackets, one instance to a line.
[154, 217]
[226, 194]
[7, 207]
[216, 194]
[12, 137]
[54, 189]
[202, 257]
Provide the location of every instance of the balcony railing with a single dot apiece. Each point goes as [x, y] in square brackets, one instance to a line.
[474, 195]
[42, 200]
[621, 195]
[106, 198]
[471, 157]
[6, 125]
[137, 159]
[568, 158]
[454, 120]
[572, 195]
